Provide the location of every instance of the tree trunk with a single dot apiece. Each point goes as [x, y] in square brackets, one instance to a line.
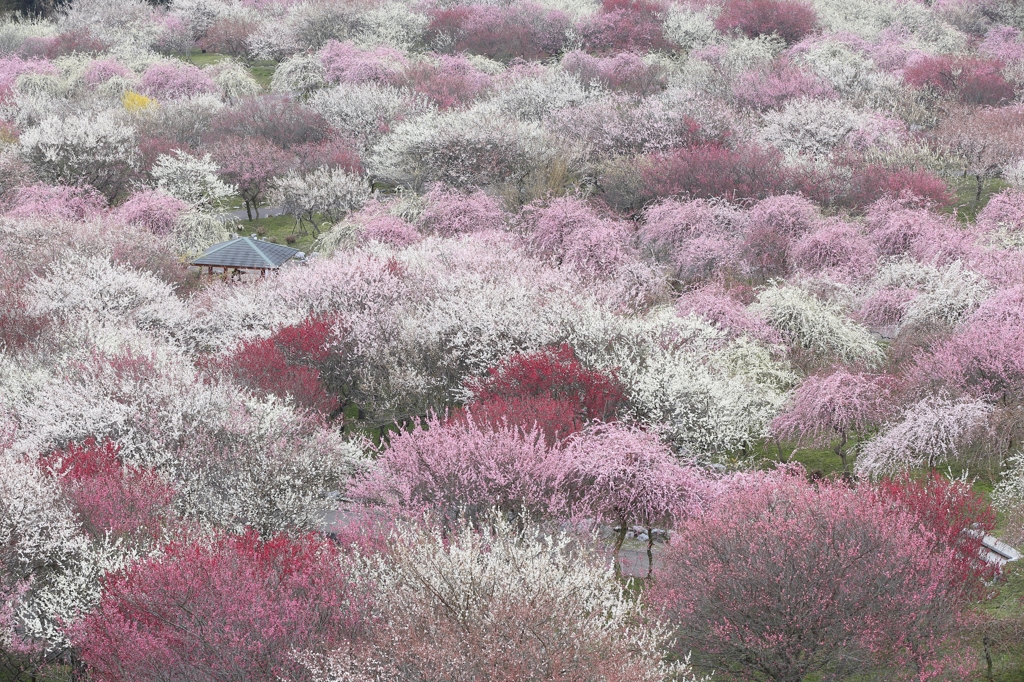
[621, 538]
[988, 658]
[977, 194]
[248, 211]
[840, 449]
[650, 552]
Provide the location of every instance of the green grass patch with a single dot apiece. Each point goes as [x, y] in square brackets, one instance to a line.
[278, 228]
[821, 460]
[965, 191]
[202, 59]
[262, 72]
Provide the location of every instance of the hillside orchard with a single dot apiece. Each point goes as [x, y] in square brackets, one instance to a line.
[633, 340]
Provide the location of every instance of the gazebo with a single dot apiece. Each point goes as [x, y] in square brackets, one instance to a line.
[245, 254]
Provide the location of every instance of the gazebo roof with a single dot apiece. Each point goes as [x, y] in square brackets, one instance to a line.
[246, 252]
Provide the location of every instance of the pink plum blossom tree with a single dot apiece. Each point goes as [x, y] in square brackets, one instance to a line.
[782, 579]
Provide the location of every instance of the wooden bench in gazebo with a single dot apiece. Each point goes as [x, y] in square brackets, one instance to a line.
[245, 254]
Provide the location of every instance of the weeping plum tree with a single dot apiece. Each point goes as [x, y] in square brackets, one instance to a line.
[626, 477]
[830, 407]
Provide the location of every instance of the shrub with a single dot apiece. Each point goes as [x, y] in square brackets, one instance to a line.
[226, 605]
[791, 20]
[711, 170]
[817, 577]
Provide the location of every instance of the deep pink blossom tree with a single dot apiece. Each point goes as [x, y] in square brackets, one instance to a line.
[782, 579]
[791, 20]
[283, 121]
[503, 32]
[549, 390]
[109, 497]
[726, 311]
[697, 239]
[773, 225]
[945, 509]
[226, 607]
[288, 364]
[983, 357]
[837, 247]
[625, 72]
[783, 81]
[625, 25]
[101, 70]
[713, 170]
[971, 79]
[449, 83]
[59, 202]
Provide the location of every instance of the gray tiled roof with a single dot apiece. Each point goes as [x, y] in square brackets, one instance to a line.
[246, 252]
